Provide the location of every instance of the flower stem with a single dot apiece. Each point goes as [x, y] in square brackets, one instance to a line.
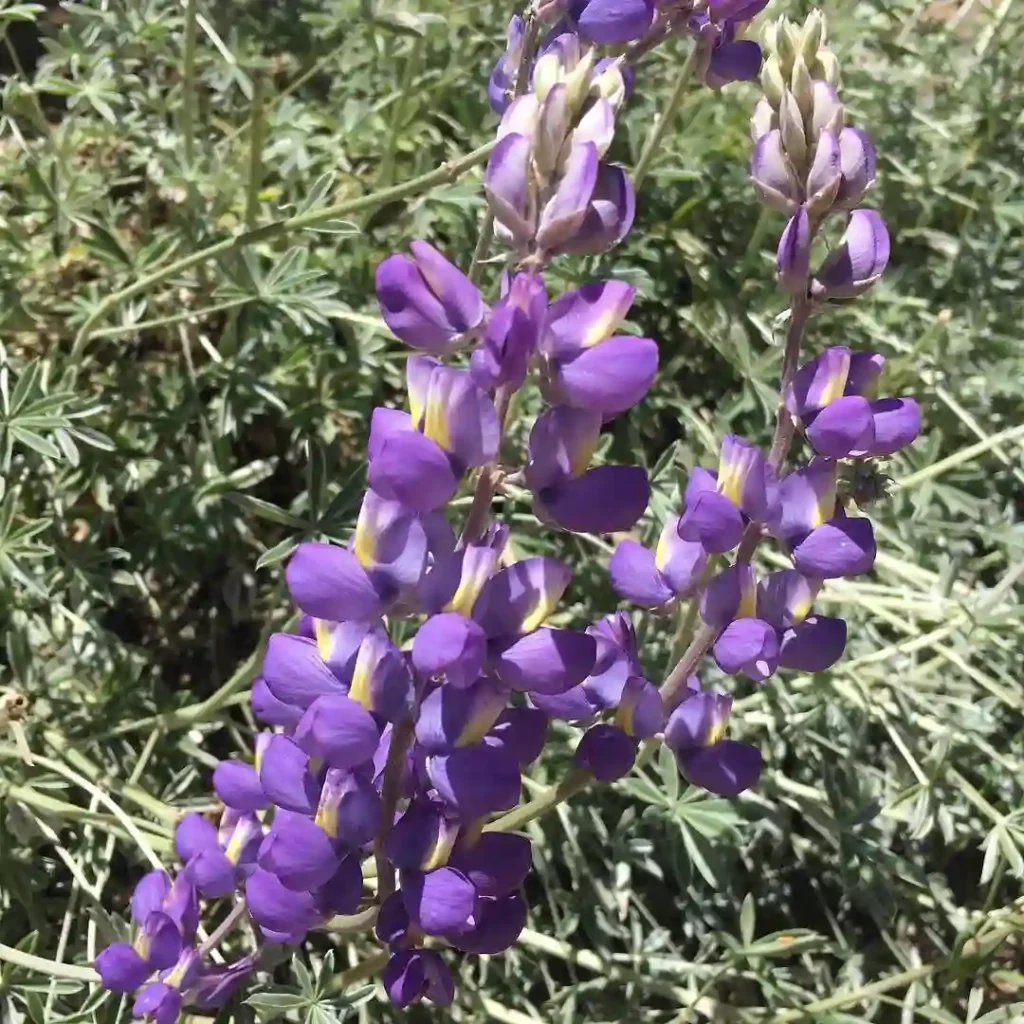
[41, 965]
[575, 782]
[665, 119]
[229, 922]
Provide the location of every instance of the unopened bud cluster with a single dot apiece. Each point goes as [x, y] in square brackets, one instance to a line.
[808, 163]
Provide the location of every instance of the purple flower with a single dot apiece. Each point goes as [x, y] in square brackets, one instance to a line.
[502, 80]
[166, 915]
[604, 499]
[414, 974]
[217, 859]
[829, 395]
[588, 368]
[651, 578]
[427, 301]
[695, 732]
[613, 22]
[717, 507]
[512, 335]
[857, 262]
[419, 459]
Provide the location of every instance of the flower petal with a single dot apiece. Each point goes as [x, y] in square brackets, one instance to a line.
[727, 768]
[545, 661]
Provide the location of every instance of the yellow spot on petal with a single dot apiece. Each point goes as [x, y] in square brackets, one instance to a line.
[141, 945]
[362, 677]
[324, 638]
[544, 607]
[442, 849]
[435, 422]
[715, 733]
[327, 819]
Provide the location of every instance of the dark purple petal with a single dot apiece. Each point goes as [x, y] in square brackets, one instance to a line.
[267, 708]
[730, 594]
[327, 582]
[423, 836]
[698, 722]
[152, 889]
[438, 901]
[286, 778]
[238, 785]
[563, 215]
[606, 752]
[497, 863]
[785, 598]
[496, 925]
[585, 317]
[381, 680]
[641, 712]
[392, 920]
[727, 768]
[414, 974]
[339, 731]
[507, 186]
[610, 377]
[819, 382]
[162, 939]
[409, 307]
[520, 597]
[275, 907]
[842, 547]
[158, 1002]
[452, 717]
[212, 873]
[451, 645]
[447, 406]
[612, 22]
[413, 470]
[295, 673]
[713, 521]
[635, 576]
[476, 780]
[773, 174]
[349, 809]
[607, 499]
[341, 893]
[298, 851]
[192, 835]
[545, 661]
[813, 645]
[218, 983]
[521, 731]
[793, 259]
[609, 215]
[735, 61]
[574, 705]
[807, 498]
[842, 427]
[682, 563]
[461, 299]
[746, 479]
[897, 422]
[562, 443]
[121, 969]
[859, 260]
[750, 646]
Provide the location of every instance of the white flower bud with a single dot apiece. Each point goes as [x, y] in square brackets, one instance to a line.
[802, 88]
[763, 120]
[827, 68]
[794, 141]
[578, 79]
[773, 84]
[547, 73]
[812, 36]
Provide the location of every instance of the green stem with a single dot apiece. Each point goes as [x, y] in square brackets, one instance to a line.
[665, 119]
[95, 774]
[575, 782]
[49, 967]
[959, 458]
[72, 812]
[448, 171]
[170, 321]
[257, 133]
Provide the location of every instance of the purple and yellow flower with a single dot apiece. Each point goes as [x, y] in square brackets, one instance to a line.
[695, 733]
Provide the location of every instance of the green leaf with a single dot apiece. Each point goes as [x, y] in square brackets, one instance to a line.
[272, 1005]
[264, 510]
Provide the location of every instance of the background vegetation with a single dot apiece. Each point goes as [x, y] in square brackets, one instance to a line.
[170, 425]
